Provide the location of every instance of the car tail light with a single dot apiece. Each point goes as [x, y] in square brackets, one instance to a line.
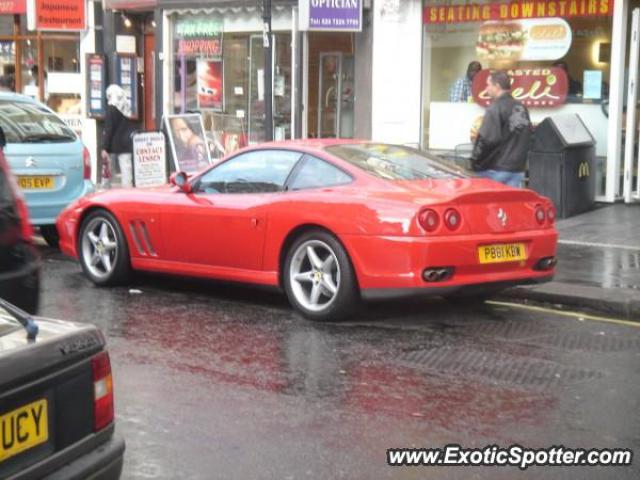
[102, 391]
[429, 220]
[452, 219]
[86, 164]
[551, 214]
[540, 215]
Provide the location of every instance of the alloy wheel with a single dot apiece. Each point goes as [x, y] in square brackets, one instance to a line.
[315, 275]
[99, 247]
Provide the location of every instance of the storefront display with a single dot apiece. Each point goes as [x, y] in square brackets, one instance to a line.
[551, 49]
[188, 142]
[126, 75]
[217, 69]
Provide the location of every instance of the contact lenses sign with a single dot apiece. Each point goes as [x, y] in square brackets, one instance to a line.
[330, 15]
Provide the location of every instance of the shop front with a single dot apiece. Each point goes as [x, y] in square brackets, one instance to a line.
[558, 54]
[214, 64]
[43, 63]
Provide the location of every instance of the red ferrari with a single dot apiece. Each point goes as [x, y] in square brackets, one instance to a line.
[328, 221]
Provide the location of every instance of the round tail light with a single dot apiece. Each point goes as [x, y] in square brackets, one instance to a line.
[540, 215]
[551, 214]
[429, 220]
[452, 219]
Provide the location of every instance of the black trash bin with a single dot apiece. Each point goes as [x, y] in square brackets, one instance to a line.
[562, 164]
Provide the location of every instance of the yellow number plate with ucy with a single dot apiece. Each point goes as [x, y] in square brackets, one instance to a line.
[502, 253]
[23, 428]
[36, 183]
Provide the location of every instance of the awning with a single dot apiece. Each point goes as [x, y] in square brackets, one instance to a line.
[222, 6]
[130, 4]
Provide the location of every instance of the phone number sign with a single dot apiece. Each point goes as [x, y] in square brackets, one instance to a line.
[330, 15]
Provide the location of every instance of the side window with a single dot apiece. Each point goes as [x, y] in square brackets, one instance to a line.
[316, 173]
[260, 171]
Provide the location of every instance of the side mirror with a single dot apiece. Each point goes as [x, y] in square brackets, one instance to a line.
[179, 179]
[3, 139]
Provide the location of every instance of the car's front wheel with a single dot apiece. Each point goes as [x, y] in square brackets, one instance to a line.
[318, 277]
[104, 254]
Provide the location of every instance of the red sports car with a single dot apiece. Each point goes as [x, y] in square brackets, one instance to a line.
[329, 221]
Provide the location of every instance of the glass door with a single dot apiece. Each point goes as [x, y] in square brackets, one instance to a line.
[255, 108]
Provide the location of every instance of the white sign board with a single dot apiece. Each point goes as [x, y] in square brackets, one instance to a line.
[149, 159]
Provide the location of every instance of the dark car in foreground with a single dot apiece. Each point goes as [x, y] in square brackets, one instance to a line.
[56, 400]
[19, 264]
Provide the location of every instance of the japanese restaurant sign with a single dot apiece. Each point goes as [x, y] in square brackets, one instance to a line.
[543, 87]
[13, 7]
[57, 15]
[473, 12]
[330, 15]
[199, 36]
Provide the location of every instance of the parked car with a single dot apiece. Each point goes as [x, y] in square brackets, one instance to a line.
[19, 261]
[52, 165]
[328, 221]
[56, 400]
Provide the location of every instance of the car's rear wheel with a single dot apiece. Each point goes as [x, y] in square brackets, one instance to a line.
[50, 235]
[318, 277]
[104, 254]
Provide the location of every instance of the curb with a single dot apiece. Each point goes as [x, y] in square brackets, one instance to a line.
[621, 302]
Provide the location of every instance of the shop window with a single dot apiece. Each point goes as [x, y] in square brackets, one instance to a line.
[221, 75]
[533, 45]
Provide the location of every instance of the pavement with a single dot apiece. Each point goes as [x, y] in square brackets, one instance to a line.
[598, 264]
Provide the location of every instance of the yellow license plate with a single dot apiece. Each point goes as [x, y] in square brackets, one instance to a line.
[23, 428]
[511, 252]
[36, 183]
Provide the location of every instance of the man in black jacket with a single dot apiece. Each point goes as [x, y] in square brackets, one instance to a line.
[500, 150]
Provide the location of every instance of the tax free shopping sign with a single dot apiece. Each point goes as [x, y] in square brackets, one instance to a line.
[330, 15]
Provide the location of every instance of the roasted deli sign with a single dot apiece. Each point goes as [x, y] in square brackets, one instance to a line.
[331, 15]
[535, 87]
[474, 12]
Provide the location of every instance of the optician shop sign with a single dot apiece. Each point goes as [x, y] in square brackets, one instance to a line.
[330, 15]
[516, 10]
[542, 87]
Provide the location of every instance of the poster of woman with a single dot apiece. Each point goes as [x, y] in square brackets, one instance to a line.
[188, 142]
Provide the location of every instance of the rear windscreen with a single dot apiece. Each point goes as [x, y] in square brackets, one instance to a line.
[24, 122]
[394, 162]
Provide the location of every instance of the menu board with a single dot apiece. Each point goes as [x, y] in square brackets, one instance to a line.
[96, 80]
[126, 76]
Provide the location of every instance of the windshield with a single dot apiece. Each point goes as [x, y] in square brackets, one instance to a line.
[395, 162]
[8, 324]
[25, 122]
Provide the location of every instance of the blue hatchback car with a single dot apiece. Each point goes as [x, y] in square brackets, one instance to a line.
[51, 164]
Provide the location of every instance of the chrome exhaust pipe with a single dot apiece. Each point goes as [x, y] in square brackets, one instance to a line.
[442, 274]
[437, 274]
[431, 275]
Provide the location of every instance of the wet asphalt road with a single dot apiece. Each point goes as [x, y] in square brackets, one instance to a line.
[216, 381]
